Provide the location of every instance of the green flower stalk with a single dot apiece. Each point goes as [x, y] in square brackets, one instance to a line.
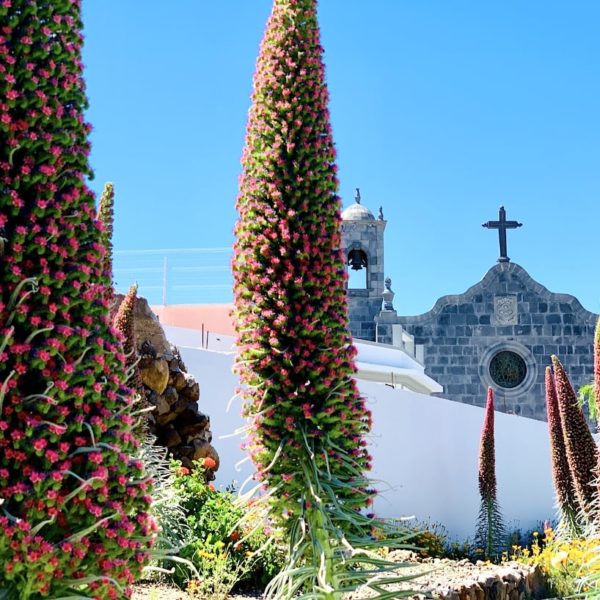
[307, 420]
[490, 534]
[566, 498]
[582, 454]
[74, 518]
[106, 216]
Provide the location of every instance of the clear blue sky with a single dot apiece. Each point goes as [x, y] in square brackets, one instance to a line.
[441, 112]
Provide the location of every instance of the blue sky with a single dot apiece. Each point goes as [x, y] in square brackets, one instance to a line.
[441, 112]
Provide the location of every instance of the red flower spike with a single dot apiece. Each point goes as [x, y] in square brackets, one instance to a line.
[60, 370]
[490, 531]
[582, 454]
[487, 453]
[296, 358]
[597, 365]
[123, 323]
[561, 474]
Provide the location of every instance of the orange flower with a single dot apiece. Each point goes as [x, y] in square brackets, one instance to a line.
[209, 463]
[183, 471]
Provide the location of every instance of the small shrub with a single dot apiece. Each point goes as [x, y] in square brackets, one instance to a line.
[461, 550]
[226, 555]
[570, 565]
[431, 539]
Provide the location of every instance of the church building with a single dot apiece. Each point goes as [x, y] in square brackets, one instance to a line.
[501, 332]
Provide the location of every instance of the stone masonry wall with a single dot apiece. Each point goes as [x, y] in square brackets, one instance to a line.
[507, 310]
[365, 304]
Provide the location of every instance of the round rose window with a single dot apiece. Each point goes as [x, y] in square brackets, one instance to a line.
[508, 369]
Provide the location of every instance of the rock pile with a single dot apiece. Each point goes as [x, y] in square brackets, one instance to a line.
[172, 391]
[445, 579]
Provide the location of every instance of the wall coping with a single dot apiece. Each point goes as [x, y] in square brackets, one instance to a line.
[487, 281]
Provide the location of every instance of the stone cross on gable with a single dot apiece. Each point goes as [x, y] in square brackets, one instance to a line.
[502, 225]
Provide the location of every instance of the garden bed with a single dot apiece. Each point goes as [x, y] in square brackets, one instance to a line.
[443, 579]
[155, 591]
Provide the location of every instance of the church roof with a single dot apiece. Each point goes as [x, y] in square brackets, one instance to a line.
[519, 277]
[357, 212]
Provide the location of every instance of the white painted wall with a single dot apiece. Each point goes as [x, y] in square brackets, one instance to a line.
[425, 451]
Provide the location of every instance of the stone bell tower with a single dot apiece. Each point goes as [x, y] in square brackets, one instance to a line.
[362, 245]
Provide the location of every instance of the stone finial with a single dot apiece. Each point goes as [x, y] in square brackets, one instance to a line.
[357, 197]
[388, 295]
[380, 217]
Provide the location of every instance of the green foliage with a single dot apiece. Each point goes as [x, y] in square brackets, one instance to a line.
[428, 539]
[586, 399]
[230, 544]
[174, 532]
[490, 536]
[572, 566]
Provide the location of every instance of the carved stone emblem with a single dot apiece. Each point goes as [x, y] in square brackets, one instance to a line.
[505, 308]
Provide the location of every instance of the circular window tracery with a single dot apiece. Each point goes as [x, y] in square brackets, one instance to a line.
[508, 369]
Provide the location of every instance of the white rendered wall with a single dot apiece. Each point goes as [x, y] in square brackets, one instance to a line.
[425, 451]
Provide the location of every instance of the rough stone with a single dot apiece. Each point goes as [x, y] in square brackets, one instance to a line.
[170, 438]
[450, 580]
[177, 379]
[462, 334]
[155, 374]
[170, 395]
[147, 328]
[176, 421]
[191, 391]
[194, 426]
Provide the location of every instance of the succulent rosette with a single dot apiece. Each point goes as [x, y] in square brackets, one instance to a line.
[74, 516]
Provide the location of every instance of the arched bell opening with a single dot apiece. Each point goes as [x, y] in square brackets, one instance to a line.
[358, 269]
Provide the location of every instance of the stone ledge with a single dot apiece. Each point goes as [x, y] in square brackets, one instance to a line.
[445, 579]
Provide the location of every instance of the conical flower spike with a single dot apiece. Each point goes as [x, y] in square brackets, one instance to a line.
[566, 497]
[579, 443]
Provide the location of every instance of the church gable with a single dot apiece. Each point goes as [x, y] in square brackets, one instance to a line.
[502, 332]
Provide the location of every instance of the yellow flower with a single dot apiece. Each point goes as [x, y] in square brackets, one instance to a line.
[559, 559]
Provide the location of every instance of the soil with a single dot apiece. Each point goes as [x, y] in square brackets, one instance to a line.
[156, 591]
